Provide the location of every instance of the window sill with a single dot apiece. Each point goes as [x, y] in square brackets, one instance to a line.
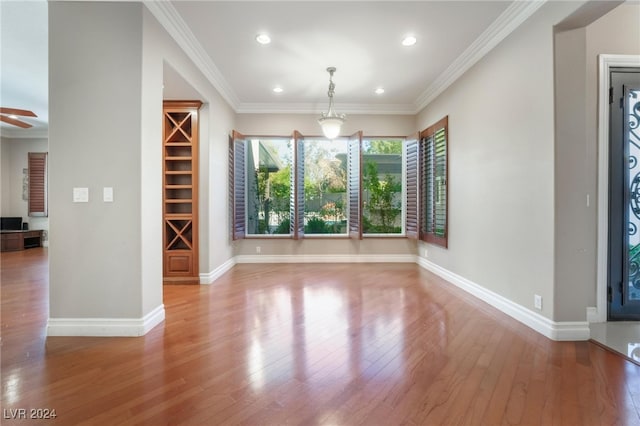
[326, 236]
[322, 236]
[268, 236]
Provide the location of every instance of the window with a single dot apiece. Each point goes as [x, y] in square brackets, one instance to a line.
[263, 179]
[325, 186]
[318, 187]
[288, 186]
[37, 163]
[433, 180]
[382, 186]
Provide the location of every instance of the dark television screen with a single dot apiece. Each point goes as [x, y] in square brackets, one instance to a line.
[11, 223]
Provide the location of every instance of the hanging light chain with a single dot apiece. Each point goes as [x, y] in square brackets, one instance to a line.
[332, 86]
[330, 93]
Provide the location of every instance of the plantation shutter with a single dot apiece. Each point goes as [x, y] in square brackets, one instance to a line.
[429, 187]
[422, 188]
[354, 185]
[296, 211]
[440, 183]
[434, 194]
[231, 184]
[237, 185]
[411, 184]
[37, 171]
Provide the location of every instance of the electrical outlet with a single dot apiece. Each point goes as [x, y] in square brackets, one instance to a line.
[258, 249]
[537, 301]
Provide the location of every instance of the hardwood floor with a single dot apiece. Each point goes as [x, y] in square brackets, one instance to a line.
[344, 344]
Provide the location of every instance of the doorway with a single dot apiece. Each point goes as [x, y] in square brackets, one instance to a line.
[623, 281]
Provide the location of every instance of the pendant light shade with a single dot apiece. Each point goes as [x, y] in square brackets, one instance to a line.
[331, 126]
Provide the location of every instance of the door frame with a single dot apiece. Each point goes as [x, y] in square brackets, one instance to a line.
[605, 63]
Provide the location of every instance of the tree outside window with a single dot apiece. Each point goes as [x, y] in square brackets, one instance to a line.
[268, 189]
[325, 186]
[382, 186]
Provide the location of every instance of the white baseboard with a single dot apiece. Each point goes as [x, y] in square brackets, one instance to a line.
[327, 258]
[578, 330]
[105, 327]
[210, 277]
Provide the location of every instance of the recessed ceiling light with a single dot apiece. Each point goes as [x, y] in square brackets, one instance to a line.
[263, 39]
[409, 40]
[277, 89]
[379, 91]
[15, 117]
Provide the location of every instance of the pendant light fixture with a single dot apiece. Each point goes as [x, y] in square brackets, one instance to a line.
[330, 121]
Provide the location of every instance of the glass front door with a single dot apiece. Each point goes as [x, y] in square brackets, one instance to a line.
[624, 207]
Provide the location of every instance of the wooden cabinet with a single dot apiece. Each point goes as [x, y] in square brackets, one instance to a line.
[20, 240]
[180, 192]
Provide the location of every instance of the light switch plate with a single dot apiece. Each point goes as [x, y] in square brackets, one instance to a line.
[107, 194]
[80, 195]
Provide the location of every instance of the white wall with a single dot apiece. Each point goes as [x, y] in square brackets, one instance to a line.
[14, 160]
[572, 233]
[524, 158]
[150, 166]
[5, 178]
[95, 73]
[216, 123]
[106, 77]
[501, 168]
[307, 124]
[577, 50]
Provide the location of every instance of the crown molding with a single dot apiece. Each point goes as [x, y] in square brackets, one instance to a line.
[518, 12]
[314, 108]
[24, 133]
[171, 20]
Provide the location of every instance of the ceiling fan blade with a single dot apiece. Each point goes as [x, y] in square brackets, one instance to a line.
[15, 122]
[15, 111]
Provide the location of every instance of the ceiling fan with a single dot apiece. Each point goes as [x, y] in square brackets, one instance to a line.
[10, 116]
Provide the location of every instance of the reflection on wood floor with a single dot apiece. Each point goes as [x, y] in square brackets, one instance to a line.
[344, 344]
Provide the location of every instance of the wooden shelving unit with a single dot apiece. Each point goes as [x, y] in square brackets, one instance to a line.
[180, 192]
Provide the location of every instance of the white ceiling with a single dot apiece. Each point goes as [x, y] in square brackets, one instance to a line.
[24, 62]
[361, 38]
